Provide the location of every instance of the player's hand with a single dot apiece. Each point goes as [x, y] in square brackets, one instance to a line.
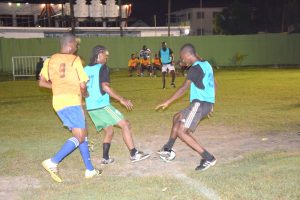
[127, 103]
[83, 90]
[162, 106]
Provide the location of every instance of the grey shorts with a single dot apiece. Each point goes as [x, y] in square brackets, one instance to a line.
[192, 115]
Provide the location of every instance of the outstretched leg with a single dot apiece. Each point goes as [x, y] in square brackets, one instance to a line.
[135, 155]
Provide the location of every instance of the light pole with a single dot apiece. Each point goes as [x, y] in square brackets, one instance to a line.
[169, 16]
[201, 15]
[120, 17]
[72, 16]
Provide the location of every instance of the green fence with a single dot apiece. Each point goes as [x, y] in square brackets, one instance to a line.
[262, 49]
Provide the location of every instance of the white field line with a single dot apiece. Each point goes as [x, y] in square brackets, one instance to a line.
[200, 187]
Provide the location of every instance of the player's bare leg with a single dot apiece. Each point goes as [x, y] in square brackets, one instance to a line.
[173, 135]
[135, 155]
[109, 133]
[186, 137]
[126, 134]
[173, 78]
[164, 79]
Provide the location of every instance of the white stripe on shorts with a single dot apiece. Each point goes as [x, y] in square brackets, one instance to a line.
[191, 115]
[112, 113]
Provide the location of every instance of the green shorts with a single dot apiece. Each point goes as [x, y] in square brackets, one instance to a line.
[104, 117]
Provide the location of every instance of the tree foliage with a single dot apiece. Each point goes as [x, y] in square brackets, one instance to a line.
[235, 19]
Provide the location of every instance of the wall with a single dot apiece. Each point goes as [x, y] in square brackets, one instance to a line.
[263, 49]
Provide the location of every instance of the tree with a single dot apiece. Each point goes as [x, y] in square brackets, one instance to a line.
[236, 19]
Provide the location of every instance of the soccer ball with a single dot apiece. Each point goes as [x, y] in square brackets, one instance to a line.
[169, 156]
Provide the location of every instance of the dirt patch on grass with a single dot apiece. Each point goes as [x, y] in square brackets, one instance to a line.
[12, 187]
[226, 145]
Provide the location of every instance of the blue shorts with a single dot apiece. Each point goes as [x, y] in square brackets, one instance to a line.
[72, 117]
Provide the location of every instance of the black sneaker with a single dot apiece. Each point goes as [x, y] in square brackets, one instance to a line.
[173, 85]
[205, 164]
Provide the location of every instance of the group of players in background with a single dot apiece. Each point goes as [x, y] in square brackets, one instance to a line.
[162, 61]
[71, 84]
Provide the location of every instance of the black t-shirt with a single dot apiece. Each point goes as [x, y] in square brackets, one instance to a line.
[103, 77]
[196, 75]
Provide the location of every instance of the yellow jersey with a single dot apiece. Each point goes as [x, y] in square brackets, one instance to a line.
[133, 62]
[65, 72]
[145, 62]
[156, 62]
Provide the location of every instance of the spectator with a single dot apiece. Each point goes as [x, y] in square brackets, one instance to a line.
[38, 68]
[146, 65]
[156, 64]
[133, 63]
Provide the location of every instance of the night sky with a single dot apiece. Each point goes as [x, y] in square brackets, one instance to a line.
[146, 9]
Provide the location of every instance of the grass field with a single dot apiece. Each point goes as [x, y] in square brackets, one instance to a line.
[254, 133]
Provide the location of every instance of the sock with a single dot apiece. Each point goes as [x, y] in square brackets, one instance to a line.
[106, 147]
[169, 145]
[206, 155]
[85, 154]
[132, 152]
[70, 145]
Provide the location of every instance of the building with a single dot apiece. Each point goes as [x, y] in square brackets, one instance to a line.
[200, 20]
[42, 32]
[58, 15]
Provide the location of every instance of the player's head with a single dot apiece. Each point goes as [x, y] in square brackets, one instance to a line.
[144, 47]
[68, 43]
[164, 45]
[133, 56]
[156, 55]
[99, 55]
[188, 54]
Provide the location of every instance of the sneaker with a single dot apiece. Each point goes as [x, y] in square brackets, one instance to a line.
[164, 151]
[91, 174]
[167, 155]
[205, 164]
[51, 167]
[139, 155]
[173, 85]
[107, 161]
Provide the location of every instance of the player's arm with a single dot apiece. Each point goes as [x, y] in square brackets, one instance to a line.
[44, 76]
[172, 55]
[83, 77]
[105, 87]
[111, 92]
[44, 83]
[175, 96]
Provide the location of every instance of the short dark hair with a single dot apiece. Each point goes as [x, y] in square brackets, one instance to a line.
[188, 48]
[66, 39]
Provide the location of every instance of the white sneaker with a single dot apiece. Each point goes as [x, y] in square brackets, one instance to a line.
[166, 155]
[139, 155]
[51, 167]
[91, 174]
[107, 161]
